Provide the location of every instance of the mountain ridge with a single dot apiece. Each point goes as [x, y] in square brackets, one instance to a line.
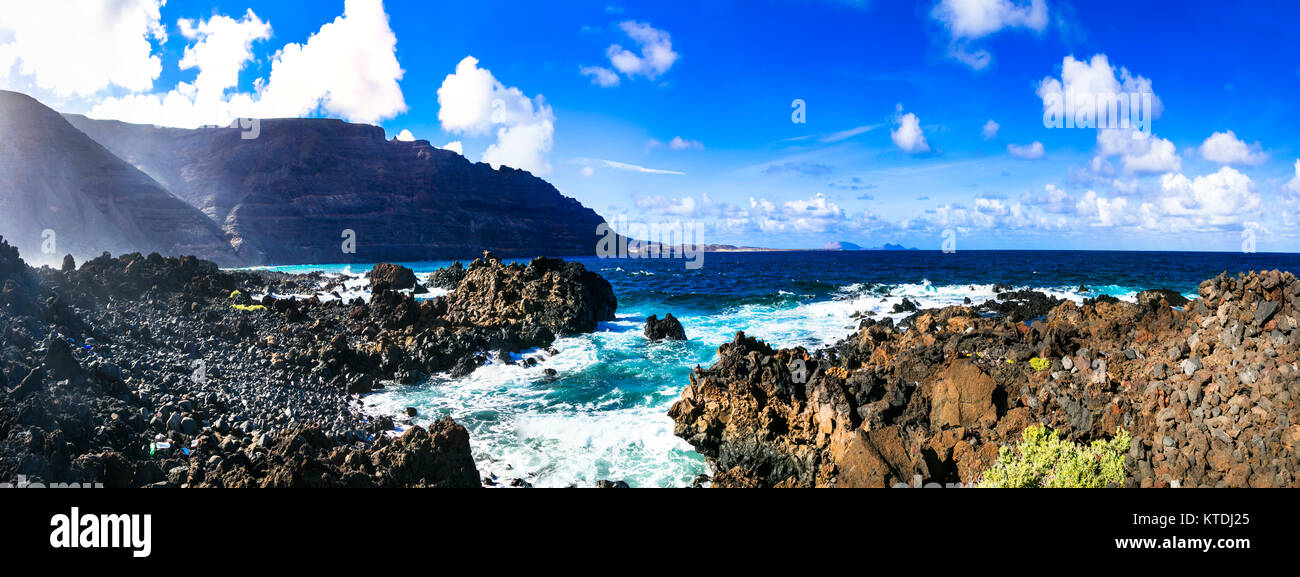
[62, 191]
[289, 191]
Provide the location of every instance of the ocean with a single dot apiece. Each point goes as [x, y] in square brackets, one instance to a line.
[604, 415]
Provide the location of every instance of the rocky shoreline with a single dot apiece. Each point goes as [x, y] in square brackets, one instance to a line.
[145, 371]
[1208, 392]
[168, 372]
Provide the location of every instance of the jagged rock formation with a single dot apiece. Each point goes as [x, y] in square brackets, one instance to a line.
[287, 196]
[55, 178]
[668, 328]
[496, 308]
[1209, 392]
[98, 364]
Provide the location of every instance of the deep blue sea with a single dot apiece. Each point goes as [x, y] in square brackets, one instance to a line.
[605, 415]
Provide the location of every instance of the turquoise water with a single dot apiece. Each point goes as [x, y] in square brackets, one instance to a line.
[604, 416]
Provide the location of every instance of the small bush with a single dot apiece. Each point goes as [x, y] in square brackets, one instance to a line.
[1043, 459]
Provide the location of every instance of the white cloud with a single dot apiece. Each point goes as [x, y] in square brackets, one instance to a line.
[455, 146]
[679, 143]
[1210, 201]
[1052, 200]
[1105, 212]
[1139, 154]
[347, 69]
[653, 57]
[908, 136]
[1085, 80]
[974, 19]
[472, 101]
[967, 21]
[221, 46]
[405, 136]
[1032, 151]
[1225, 148]
[673, 206]
[847, 134]
[1294, 184]
[990, 130]
[600, 76]
[81, 48]
[615, 165]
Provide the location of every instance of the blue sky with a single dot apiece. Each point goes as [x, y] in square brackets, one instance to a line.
[898, 96]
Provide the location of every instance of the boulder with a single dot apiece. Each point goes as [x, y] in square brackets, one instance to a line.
[669, 328]
[962, 397]
[1151, 298]
[393, 276]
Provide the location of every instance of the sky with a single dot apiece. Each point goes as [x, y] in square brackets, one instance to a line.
[770, 123]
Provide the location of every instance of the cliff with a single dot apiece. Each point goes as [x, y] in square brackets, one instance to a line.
[53, 177]
[288, 195]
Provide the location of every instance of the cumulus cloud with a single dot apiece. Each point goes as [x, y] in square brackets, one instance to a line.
[1225, 148]
[1223, 200]
[1102, 211]
[405, 136]
[455, 146]
[1139, 154]
[347, 69]
[990, 130]
[1052, 200]
[1032, 151]
[221, 47]
[1294, 184]
[600, 76]
[652, 56]
[472, 101]
[967, 21]
[1086, 80]
[81, 48]
[908, 136]
[1210, 201]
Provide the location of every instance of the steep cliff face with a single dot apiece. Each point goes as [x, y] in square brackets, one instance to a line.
[54, 178]
[288, 195]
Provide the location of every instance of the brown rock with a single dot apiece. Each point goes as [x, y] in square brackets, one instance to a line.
[963, 397]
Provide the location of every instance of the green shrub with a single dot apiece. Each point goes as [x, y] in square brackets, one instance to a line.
[1043, 459]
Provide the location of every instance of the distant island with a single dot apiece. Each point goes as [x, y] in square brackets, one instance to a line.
[848, 246]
